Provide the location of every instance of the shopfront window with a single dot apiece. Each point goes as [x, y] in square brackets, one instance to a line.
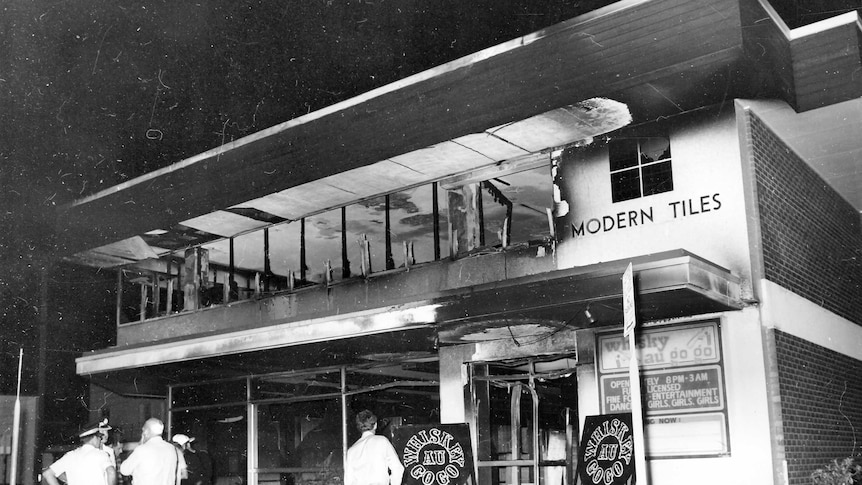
[221, 433]
[305, 421]
[300, 442]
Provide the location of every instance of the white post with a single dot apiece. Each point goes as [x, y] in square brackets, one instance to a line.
[637, 415]
[629, 325]
[16, 423]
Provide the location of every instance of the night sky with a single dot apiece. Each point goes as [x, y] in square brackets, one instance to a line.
[95, 93]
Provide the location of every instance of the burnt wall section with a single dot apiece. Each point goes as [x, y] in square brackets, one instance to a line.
[821, 405]
[811, 236]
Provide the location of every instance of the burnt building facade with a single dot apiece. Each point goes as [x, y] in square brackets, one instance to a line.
[449, 249]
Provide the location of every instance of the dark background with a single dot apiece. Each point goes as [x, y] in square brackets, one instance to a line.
[96, 92]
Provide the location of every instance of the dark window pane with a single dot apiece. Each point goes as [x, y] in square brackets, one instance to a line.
[300, 442]
[658, 178]
[625, 185]
[530, 192]
[209, 393]
[654, 149]
[223, 433]
[622, 154]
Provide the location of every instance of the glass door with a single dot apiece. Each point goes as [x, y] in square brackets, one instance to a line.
[526, 417]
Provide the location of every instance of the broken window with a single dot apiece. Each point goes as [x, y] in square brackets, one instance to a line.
[639, 167]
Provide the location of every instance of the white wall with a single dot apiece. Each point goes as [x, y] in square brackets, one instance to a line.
[786, 311]
[706, 162]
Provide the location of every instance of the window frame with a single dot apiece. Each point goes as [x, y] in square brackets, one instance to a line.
[638, 167]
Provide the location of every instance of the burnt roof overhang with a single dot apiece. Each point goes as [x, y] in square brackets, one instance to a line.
[668, 284]
[658, 57]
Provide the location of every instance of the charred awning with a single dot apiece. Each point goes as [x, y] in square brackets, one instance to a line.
[669, 284]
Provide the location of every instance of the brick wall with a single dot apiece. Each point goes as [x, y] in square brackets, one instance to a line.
[811, 236]
[821, 392]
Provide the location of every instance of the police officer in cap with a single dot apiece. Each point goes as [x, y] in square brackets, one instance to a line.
[87, 465]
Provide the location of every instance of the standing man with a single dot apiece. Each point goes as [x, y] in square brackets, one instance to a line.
[87, 465]
[199, 466]
[372, 459]
[154, 461]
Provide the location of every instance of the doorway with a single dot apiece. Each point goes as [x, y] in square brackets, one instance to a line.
[525, 414]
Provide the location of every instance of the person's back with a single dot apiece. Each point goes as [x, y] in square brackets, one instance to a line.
[87, 465]
[371, 460]
[155, 461]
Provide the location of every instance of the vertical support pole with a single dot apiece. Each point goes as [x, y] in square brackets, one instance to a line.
[143, 301]
[179, 288]
[225, 290]
[504, 234]
[366, 244]
[119, 312]
[169, 304]
[408, 254]
[16, 424]
[629, 327]
[191, 279]
[515, 433]
[232, 271]
[507, 225]
[252, 439]
[436, 209]
[537, 452]
[344, 417]
[480, 209]
[169, 418]
[365, 256]
[637, 414]
[390, 263]
[464, 225]
[267, 270]
[571, 448]
[302, 266]
[345, 261]
[157, 297]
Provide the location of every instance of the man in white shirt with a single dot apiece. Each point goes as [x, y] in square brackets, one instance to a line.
[87, 465]
[371, 460]
[154, 461]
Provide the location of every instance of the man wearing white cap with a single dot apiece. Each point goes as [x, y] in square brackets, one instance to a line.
[154, 461]
[87, 465]
[199, 467]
